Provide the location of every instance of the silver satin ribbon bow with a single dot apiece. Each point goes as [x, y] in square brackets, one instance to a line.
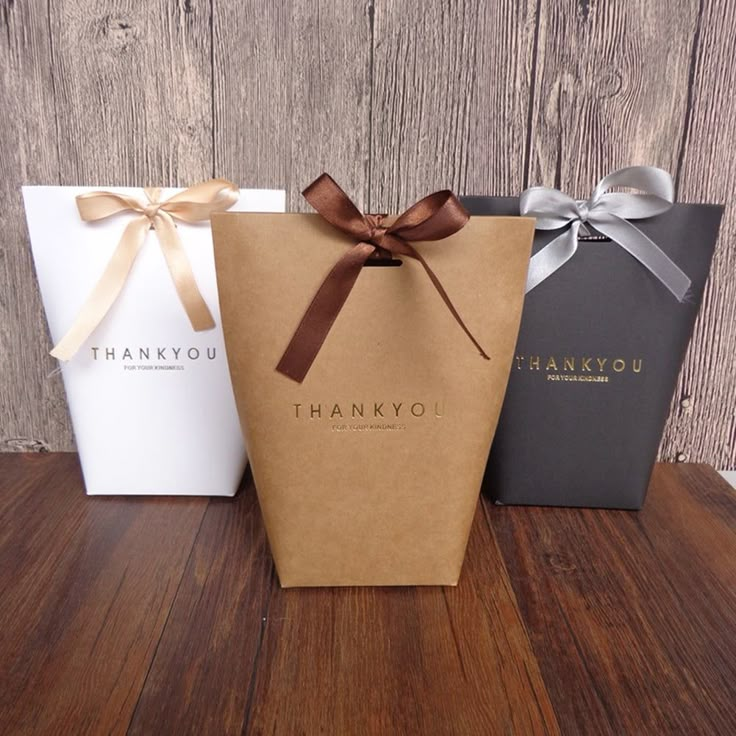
[609, 213]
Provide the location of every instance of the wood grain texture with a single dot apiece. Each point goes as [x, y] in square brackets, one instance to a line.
[87, 587]
[395, 99]
[402, 660]
[124, 615]
[214, 631]
[133, 89]
[631, 615]
[450, 98]
[610, 89]
[702, 423]
[33, 413]
[292, 93]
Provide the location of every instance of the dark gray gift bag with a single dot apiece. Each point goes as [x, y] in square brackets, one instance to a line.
[612, 297]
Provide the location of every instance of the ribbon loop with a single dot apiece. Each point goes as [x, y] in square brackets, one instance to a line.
[551, 208]
[331, 202]
[432, 218]
[191, 205]
[609, 213]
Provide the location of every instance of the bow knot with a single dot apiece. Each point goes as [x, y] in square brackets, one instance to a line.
[376, 233]
[610, 214]
[151, 210]
[433, 218]
[191, 205]
[583, 210]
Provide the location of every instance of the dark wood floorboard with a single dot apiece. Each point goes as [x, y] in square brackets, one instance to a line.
[87, 584]
[164, 616]
[632, 615]
[201, 679]
[402, 660]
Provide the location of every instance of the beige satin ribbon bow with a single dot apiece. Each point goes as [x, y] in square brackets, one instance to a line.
[192, 205]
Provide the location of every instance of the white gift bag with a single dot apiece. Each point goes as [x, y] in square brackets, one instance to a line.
[150, 398]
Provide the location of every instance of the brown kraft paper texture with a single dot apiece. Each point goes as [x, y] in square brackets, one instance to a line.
[368, 472]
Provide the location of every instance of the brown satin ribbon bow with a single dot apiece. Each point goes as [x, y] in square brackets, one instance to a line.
[437, 216]
[192, 205]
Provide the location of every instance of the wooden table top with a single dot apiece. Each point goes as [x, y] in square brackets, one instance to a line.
[158, 616]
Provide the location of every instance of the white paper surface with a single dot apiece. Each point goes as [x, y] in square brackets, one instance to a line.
[159, 419]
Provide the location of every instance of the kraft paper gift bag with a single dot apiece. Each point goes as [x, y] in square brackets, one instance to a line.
[127, 279]
[615, 284]
[366, 403]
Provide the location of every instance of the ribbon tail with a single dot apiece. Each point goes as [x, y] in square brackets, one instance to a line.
[554, 255]
[322, 313]
[106, 290]
[181, 273]
[409, 250]
[646, 251]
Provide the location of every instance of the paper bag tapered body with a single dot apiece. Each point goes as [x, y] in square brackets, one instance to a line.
[600, 348]
[368, 471]
[150, 399]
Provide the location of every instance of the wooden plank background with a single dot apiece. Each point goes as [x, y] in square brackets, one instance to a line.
[394, 98]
